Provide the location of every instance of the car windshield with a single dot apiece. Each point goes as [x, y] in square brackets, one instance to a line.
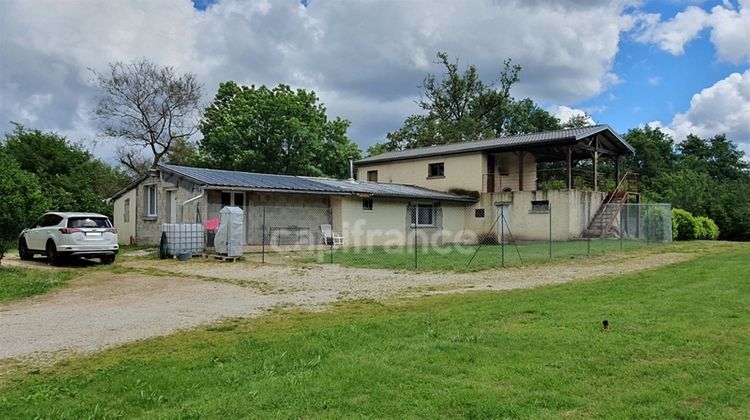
[88, 222]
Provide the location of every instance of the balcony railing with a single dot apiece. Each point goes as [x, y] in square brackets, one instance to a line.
[556, 179]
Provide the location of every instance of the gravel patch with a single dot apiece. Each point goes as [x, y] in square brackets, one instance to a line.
[101, 309]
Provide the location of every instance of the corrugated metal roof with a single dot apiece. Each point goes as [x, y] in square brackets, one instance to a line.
[377, 189]
[570, 134]
[256, 181]
[250, 180]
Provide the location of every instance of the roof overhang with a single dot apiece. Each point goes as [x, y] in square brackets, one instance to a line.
[602, 137]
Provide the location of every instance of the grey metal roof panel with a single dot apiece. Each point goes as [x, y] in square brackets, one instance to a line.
[497, 143]
[378, 189]
[250, 180]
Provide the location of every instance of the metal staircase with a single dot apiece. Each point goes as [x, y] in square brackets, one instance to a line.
[602, 225]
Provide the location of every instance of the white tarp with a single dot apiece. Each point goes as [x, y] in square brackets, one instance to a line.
[229, 237]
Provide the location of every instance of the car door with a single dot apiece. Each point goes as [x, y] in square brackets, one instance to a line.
[49, 229]
[32, 233]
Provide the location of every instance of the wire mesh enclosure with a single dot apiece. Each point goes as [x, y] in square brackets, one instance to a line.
[434, 236]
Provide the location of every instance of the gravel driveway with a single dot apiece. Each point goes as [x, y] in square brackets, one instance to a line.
[101, 309]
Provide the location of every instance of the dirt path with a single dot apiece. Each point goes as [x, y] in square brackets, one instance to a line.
[102, 309]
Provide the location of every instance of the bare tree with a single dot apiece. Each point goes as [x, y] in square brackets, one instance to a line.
[148, 108]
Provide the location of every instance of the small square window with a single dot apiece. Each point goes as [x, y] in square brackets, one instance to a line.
[436, 170]
[372, 176]
[478, 212]
[367, 204]
[423, 215]
[540, 206]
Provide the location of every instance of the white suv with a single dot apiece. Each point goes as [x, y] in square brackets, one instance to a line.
[60, 235]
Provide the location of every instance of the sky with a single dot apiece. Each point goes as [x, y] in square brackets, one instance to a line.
[683, 66]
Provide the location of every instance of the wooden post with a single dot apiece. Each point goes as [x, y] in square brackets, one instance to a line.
[570, 167]
[596, 164]
[617, 169]
[520, 171]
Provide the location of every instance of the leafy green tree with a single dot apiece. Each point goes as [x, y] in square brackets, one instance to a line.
[277, 130]
[70, 177]
[21, 203]
[654, 157]
[460, 107]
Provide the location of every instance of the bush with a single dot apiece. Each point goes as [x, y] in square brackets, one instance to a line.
[21, 201]
[709, 230]
[684, 225]
[653, 224]
[552, 184]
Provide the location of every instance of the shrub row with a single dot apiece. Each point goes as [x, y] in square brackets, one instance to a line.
[686, 227]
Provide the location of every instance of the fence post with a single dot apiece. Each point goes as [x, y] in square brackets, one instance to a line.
[550, 229]
[416, 225]
[502, 236]
[263, 238]
[622, 226]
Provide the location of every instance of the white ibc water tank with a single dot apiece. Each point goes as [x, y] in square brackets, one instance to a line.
[231, 230]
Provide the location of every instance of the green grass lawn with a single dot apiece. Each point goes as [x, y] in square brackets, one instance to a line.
[457, 258]
[16, 283]
[679, 346]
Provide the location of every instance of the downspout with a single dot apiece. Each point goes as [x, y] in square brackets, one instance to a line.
[190, 200]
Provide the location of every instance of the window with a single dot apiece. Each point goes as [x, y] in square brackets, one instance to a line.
[126, 211]
[367, 204]
[372, 176]
[150, 200]
[49, 220]
[236, 199]
[89, 222]
[540, 206]
[478, 212]
[423, 215]
[436, 170]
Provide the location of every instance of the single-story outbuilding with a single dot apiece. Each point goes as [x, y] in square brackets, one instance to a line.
[285, 209]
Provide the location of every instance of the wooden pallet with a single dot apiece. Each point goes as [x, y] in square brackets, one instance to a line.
[227, 258]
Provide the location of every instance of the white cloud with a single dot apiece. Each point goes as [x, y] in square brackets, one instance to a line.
[721, 108]
[673, 34]
[365, 59]
[729, 27]
[565, 113]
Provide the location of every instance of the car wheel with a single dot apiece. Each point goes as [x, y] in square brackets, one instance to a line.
[107, 259]
[53, 257]
[23, 250]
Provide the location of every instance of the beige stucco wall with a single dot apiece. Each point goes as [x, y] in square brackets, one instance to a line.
[461, 171]
[571, 211]
[147, 230]
[125, 230]
[386, 224]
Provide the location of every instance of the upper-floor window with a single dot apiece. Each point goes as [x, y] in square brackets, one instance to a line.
[435, 170]
[367, 204]
[150, 192]
[372, 176]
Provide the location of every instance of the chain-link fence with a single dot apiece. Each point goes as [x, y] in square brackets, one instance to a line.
[438, 237]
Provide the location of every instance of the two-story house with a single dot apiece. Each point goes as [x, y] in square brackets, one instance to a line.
[505, 174]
